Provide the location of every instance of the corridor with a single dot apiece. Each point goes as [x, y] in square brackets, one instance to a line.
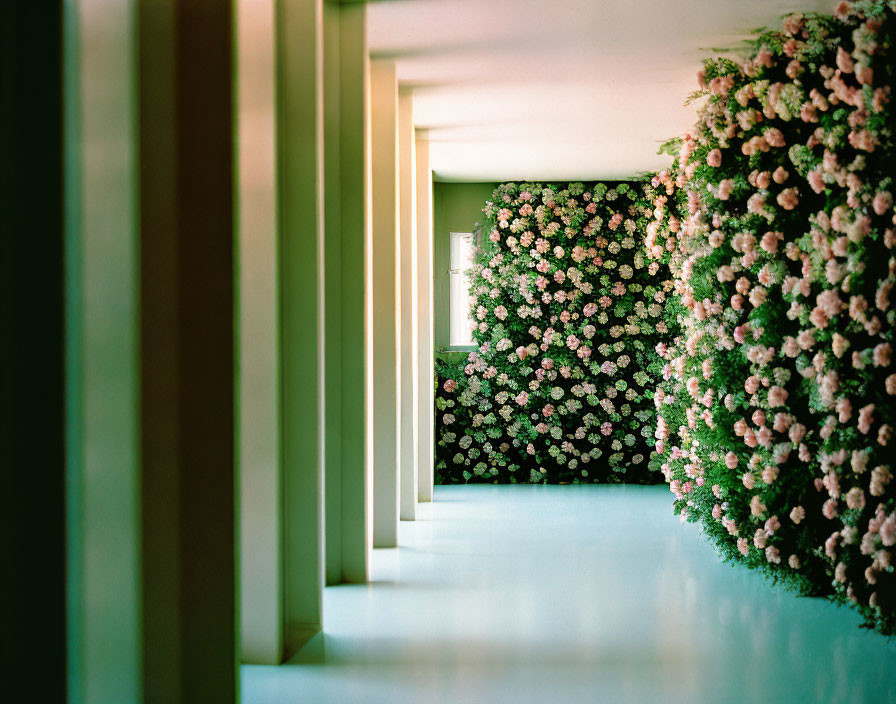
[571, 594]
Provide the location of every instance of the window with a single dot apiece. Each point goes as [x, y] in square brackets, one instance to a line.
[459, 314]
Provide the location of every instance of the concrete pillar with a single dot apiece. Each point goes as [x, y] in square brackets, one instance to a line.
[347, 213]
[260, 456]
[424, 299]
[189, 503]
[299, 52]
[408, 304]
[386, 296]
[102, 354]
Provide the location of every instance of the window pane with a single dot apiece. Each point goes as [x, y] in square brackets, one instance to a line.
[460, 318]
[461, 250]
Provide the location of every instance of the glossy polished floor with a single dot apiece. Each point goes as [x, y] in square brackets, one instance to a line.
[572, 594]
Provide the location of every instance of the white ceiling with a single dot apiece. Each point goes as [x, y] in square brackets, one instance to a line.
[557, 89]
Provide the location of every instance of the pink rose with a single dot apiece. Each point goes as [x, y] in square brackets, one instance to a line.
[819, 318]
[725, 273]
[730, 460]
[796, 433]
[777, 396]
[775, 137]
[855, 498]
[788, 198]
[805, 339]
[769, 241]
[450, 385]
[882, 296]
[757, 508]
[782, 422]
[714, 158]
[882, 202]
[844, 61]
[866, 418]
[844, 409]
[864, 74]
[726, 186]
[839, 344]
[790, 347]
[757, 296]
[815, 180]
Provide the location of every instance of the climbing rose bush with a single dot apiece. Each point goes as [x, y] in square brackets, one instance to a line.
[567, 314]
[776, 412]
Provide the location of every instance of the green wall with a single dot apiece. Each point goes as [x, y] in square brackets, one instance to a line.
[457, 207]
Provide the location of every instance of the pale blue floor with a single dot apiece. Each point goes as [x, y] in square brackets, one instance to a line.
[572, 594]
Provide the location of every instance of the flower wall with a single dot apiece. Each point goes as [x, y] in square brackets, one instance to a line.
[568, 313]
[777, 410]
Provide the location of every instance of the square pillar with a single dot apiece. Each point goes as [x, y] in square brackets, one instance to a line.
[301, 265]
[386, 302]
[102, 350]
[425, 374]
[189, 506]
[260, 454]
[347, 248]
[408, 309]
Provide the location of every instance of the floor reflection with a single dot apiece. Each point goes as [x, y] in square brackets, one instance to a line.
[572, 594]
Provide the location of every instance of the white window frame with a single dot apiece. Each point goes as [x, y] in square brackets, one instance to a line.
[460, 315]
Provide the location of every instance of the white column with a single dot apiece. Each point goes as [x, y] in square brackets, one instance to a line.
[301, 264]
[259, 409]
[424, 300]
[280, 190]
[386, 296]
[347, 248]
[408, 265]
[102, 349]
